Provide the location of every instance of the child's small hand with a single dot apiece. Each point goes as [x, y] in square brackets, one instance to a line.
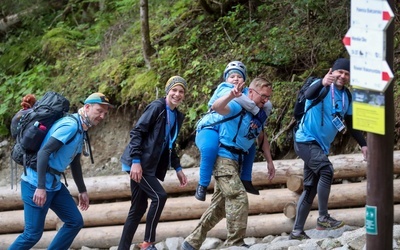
[237, 90]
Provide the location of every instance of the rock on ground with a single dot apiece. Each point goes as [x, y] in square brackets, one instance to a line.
[345, 238]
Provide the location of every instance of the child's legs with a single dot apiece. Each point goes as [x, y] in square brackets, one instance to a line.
[207, 141]
[247, 166]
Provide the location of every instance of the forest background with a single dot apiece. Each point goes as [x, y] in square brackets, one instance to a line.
[127, 49]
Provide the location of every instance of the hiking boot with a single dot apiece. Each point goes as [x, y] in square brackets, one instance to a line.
[201, 192]
[187, 246]
[328, 223]
[248, 185]
[300, 236]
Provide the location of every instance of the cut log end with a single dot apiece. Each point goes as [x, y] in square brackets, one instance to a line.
[295, 183]
[289, 210]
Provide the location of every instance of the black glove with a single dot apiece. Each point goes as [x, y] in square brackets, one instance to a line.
[259, 118]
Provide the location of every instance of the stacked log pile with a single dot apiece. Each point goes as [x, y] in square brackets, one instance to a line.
[271, 213]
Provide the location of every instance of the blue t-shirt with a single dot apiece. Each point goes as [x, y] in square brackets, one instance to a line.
[171, 132]
[310, 128]
[221, 90]
[213, 117]
[63, 130]
[239, 127]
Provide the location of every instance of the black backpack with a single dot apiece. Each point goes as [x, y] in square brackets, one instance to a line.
[299, 110]
[34, 125]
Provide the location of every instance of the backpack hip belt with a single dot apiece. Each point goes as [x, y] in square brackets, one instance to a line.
[53, 172]
[233, 150]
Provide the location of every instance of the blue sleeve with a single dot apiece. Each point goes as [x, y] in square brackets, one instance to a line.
[221, 90]
[66, 130]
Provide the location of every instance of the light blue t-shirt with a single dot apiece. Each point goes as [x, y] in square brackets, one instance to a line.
[213, 117]
[221, 90]
[238, 129]
[310, 128]
[63, 130]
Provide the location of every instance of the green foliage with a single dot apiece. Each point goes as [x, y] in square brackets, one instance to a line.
[60, 42]
[96, 46]
[18, 53]
[13, 88]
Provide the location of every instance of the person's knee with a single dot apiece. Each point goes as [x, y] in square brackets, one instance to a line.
[308, 194]
[327, 172]
[162, 197]
[33, 237]
[232, 188]
[77, 222]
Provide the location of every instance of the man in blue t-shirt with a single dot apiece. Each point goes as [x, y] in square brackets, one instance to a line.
[236, 137]
[41, 188]
[317, 130]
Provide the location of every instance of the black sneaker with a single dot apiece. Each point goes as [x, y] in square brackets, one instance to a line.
[187, 246]
[201, 192]
[248, 185]
[300, 236]
[328, 223]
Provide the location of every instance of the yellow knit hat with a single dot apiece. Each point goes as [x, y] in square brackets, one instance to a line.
[173, 81]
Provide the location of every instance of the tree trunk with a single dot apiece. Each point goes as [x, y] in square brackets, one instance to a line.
[11, 20]
[8, 21]
[148, 50]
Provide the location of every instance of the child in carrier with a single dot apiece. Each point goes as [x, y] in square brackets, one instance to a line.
[207, 136]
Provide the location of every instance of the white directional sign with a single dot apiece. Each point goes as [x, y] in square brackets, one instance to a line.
[369, 44]
[370, 74]
[371, 14]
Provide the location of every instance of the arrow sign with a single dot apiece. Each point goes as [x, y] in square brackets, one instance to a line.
[371, 14]
[370, 74]
[369, 44]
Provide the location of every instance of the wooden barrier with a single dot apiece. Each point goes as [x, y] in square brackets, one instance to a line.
[117, 187]
[257, 226]
[186, 208]
[271, 212]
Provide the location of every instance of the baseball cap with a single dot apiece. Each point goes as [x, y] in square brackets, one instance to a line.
[98, 98]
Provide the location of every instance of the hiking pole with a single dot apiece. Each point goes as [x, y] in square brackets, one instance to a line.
[14, 170]
[90, 148]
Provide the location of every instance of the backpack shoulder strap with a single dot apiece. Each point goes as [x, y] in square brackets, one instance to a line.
[242, 113]
[349, 95]
[223, 120]
[77, 131]
[317, 100]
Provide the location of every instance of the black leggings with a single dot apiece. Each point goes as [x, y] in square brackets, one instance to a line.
[149, 187]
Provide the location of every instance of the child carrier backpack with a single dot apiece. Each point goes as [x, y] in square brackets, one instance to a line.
[34, 125]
